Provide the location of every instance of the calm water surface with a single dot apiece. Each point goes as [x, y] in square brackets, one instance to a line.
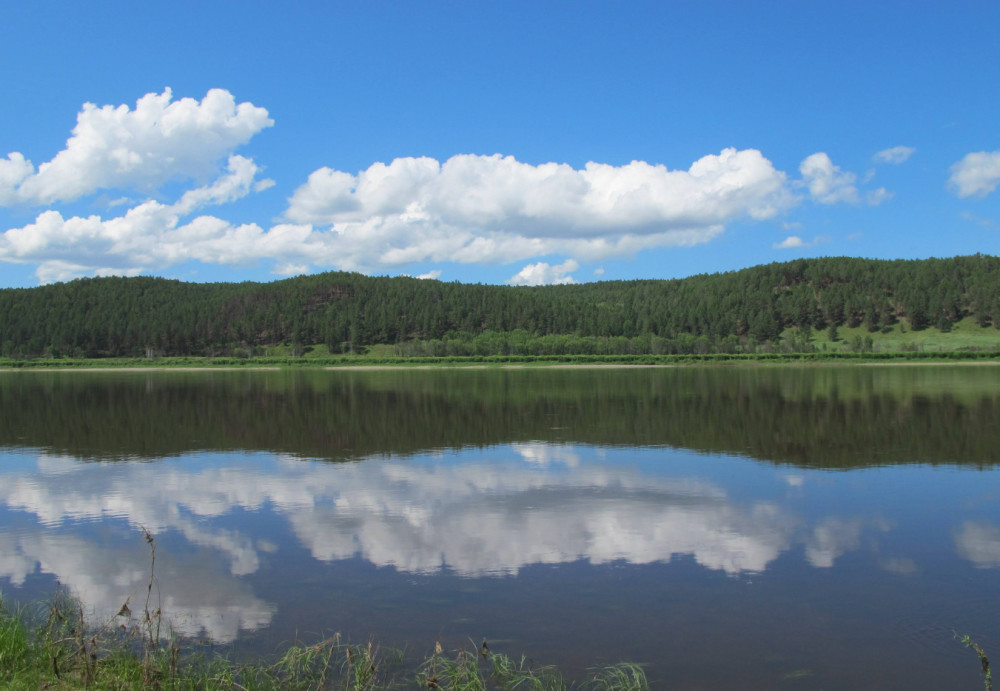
[730, 527]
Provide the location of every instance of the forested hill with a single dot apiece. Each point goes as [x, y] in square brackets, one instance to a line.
[346, 311]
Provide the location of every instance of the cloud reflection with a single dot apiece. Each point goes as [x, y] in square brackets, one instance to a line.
[831, 538]
[507, 508]
[979, 542]
[197, 598]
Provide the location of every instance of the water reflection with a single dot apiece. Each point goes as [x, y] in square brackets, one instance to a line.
[833, 417]
[979, 542]
[489, 518]
[476, 513]
[475, 517]
[199, 599]
[701, 502]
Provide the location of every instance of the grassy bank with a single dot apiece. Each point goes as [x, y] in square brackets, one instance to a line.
[375, 360]
[53, 647]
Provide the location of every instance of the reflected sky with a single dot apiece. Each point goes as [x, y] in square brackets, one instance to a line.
[476, 513]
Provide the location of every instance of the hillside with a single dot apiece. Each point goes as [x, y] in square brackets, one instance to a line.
[742, 310]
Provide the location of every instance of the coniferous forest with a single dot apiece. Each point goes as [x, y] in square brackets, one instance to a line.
[348, 312]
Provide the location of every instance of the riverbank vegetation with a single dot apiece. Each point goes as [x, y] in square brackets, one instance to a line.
[377, 360]
[829, 305]
[56, 648]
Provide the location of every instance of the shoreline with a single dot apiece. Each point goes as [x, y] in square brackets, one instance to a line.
[527, 365]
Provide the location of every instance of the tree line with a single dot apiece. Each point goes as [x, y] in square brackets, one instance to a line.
[724, 312]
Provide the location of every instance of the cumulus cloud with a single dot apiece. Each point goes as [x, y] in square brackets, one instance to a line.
[796, 242]
[549, 200]
[466, 209]
[827, 183]
[117, 147]
[150, 234]
[790, 242]
[14, 170]
[473, 208]
[976, 175]
[876, 197]
[543, 274]
[895, 155]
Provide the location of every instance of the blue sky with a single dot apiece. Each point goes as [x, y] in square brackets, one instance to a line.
[493, 142]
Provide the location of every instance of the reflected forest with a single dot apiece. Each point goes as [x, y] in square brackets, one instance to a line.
[813, 417]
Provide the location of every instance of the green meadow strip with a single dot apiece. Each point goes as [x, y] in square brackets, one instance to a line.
[459, 360]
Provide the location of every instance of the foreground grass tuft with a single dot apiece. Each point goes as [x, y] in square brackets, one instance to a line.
[59, 650]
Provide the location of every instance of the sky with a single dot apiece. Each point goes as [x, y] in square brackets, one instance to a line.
[516, 142]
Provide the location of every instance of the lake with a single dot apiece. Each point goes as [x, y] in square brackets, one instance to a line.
[731, 527]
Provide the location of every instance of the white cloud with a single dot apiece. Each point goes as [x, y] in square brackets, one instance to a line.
[116, 147]
[976, 175]
[895, 155]
[466, 209]
[291, 269]
[469, 209]
[549, 200]
[14, 170]
[827, 183]
[431, 275]
[789, 242]
[496, 209]
[876, 197]
[148, 235]
[542, 274]
[796, 242]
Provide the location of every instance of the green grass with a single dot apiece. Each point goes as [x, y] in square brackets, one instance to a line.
[60, 650]
[964, 334]
[965, 340]
[836, 354]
